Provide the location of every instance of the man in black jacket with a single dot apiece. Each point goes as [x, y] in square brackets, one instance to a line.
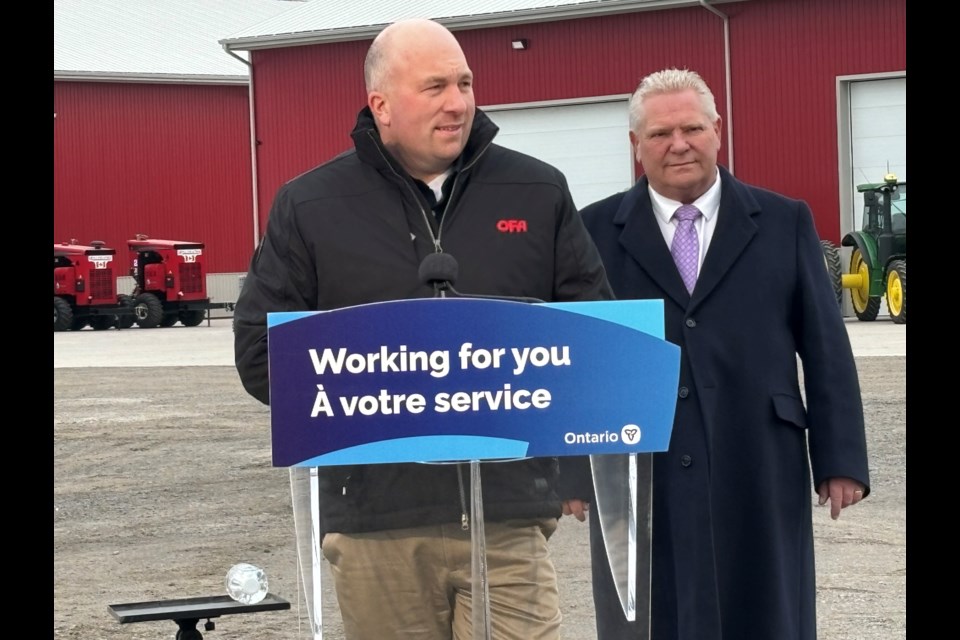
[424, 177]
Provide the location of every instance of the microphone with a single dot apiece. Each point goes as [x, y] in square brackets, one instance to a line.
[441, 270]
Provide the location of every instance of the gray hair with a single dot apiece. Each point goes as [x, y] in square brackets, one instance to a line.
[670, 81]
[374, 66]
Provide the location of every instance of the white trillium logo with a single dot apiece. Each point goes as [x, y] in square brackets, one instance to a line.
[630, 434]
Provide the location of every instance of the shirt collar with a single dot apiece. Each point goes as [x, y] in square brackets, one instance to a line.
[708, 203]
[436, 185]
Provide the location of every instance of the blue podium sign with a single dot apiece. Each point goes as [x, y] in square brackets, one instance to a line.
[451, 379]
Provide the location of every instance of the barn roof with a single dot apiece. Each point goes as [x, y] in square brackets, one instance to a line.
[153, 40]
[319, 21]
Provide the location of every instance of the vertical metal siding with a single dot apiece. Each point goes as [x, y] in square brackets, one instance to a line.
[307, 98]
[591, 57]
[787, 56]
[306, 104]
[171, 161]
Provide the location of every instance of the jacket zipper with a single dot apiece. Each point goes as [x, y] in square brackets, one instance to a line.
[464, 513]
[435, 238]
[453, 190]
[423, 212]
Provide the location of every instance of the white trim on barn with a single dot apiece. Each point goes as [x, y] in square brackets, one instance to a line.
[315, 22]
[872, 136]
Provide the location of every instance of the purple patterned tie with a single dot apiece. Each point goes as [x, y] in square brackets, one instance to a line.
[686, 246]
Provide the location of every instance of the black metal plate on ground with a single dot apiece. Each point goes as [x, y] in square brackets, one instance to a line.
[184, 608]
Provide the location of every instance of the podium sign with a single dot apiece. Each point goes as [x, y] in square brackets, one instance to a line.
[435, 380]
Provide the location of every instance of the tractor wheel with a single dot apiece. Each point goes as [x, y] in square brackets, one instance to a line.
[78, 323]
[62, 315]
[831, 258]
[148, 311]
[125, 320]
[192, 317]
[897, 291]
[99, 323]
[169, 319]
[864, 305]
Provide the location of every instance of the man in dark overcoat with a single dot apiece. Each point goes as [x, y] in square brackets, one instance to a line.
[732, 550]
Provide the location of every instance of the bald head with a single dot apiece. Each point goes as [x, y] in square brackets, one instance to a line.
[420, 93]
[396, 43]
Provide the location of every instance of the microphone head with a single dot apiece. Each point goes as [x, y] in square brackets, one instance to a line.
[439, 268]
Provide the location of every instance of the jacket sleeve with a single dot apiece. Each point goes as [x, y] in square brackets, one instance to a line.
[834, 407]
[282, 277]
[578, 269]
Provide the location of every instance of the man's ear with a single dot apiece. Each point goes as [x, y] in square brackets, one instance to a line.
[635, 145]
[379, 107]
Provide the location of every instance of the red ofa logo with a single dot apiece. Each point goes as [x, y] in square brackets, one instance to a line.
[512, 226]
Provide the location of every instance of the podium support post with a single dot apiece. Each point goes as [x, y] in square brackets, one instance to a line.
[304, 493]
[480, 593]
[623, 488]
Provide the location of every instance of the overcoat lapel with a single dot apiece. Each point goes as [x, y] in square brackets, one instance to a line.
[735, 229]
[642, 239]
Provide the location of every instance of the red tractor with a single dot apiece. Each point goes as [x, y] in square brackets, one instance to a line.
[171, 282]
[85, 288]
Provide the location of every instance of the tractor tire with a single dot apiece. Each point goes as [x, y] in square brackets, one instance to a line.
[831, 258]
[897, 291]
[169, 319]
[148, 311]
[192, 317]
[78, 323]
[864, 305]
[125, 320]
[62, 315]
[99, 323]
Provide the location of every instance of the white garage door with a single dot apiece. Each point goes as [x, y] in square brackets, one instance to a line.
[878, 127]
[588, 142]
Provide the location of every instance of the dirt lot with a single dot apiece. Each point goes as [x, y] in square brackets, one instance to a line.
[162, 481]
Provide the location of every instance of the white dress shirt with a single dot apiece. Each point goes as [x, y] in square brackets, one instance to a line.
[709, 206]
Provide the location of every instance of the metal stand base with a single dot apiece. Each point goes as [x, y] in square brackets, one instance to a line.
[187, 612]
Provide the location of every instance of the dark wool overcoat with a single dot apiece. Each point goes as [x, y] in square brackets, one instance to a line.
[732, 498]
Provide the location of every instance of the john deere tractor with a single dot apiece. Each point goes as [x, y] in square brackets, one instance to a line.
[878, 262]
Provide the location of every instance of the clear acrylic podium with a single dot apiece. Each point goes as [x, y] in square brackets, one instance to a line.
[615, 355]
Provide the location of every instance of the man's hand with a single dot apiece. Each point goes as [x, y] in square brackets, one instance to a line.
[842, 492]
[576, 508]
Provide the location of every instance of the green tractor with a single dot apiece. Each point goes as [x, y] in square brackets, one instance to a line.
[878, 263]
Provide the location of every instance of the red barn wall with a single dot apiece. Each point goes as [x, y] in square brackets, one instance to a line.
[171, 161]
[307, 97]
[174, 160]
[785, 58]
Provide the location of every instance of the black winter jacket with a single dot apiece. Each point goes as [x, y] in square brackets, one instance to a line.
[355, 230]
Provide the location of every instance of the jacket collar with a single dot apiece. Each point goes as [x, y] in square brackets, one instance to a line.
[372, 151]
[642, 239]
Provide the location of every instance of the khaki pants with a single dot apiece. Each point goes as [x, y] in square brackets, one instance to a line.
[415, 583]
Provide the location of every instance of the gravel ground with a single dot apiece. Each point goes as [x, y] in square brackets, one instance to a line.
[162, 481]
